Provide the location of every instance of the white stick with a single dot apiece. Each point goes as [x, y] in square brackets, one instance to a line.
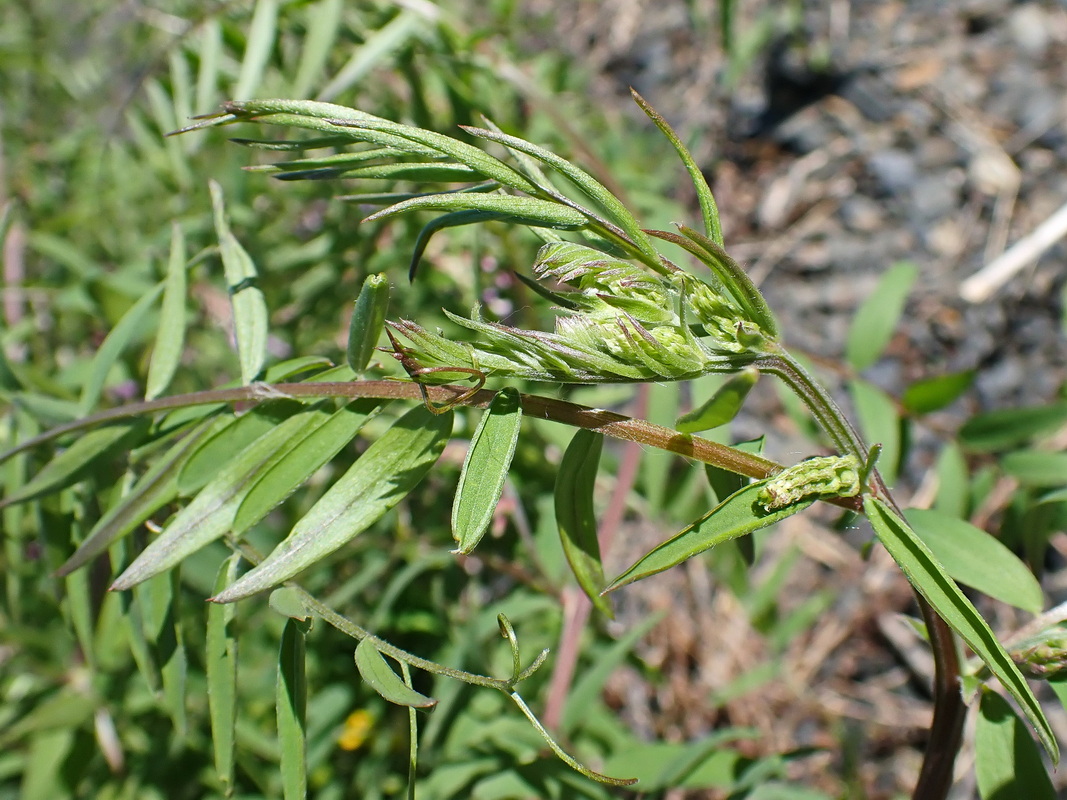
[983, 284]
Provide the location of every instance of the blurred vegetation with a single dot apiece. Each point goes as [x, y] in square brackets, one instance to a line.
[104, 695]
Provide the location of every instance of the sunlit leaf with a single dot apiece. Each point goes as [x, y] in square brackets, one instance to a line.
[932, 582]
[880, 423]
[382, 679]
[932, 394]
[485, 469]
[170, 335]
[317, 444]
[741, 513]
[1007, 762]
[723, 406]
[709, 211]
[228, 439]
[157, 487]
[1036, 467]
[1004, 428]
[116, 342]
[878, 315]
[249, 307]
[210, 514]
[974, 558]
[527, 210]
[390, 468]
[576, 517]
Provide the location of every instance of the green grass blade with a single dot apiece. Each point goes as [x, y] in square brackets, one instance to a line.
[220, 664]
[932, 582]
[375, 51]
[390, 468]
[481, 482]
[379, 676]
[208, 56]
[170, 335]
[576, 517]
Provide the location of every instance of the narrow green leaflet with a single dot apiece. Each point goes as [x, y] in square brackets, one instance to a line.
[739, 514]
[374, 669]
[390, 468]
[1007, 764]
[709, 210]
[249, 307]
[368, 321]
[211, 512]
[228, 439]
[976, 559]
[617, 212]
[1004, 428]
[220, 664]
[78, 460]
[170, 335]
[723, 406]
[157, 487]
[576, 517]
[934, 393]
[932, 582]
[545, 213]
[1036, 467]
[116, 342]
[320, 443]
[485, 469]
[291, 702]
[877, 316]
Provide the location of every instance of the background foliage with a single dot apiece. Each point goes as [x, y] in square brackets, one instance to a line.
[105, 694]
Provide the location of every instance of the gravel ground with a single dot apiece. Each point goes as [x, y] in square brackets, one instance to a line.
[929, 132]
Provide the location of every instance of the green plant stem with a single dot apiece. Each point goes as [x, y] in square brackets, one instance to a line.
[946, 728]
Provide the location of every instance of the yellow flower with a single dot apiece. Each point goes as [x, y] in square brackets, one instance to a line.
[356, 731]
